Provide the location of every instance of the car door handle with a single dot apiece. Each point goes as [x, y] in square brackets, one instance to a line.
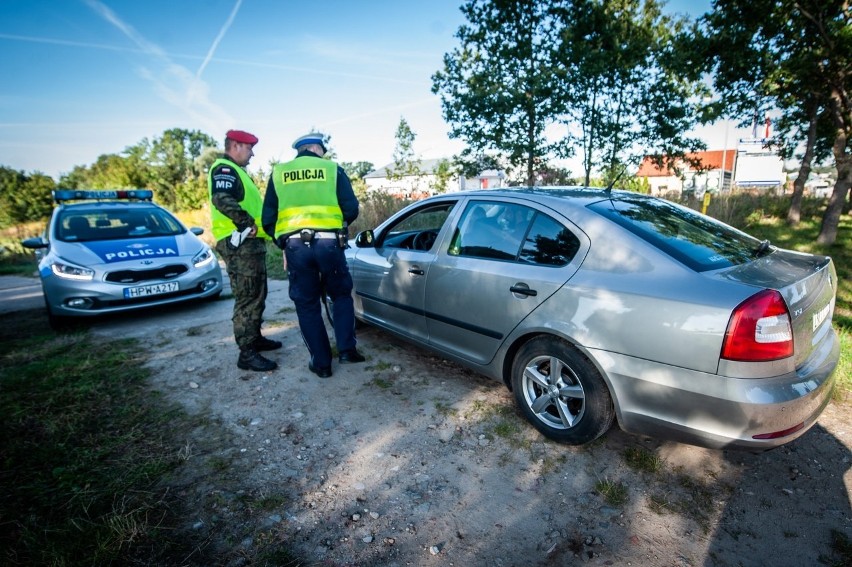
[416, 271]
[523, 290]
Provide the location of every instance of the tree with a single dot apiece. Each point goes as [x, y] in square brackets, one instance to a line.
[622, 85]
[405, 161]
[608, 70]
[443, 172]
[23, 197]
[496, 88]
[797, 56]
[357, 170]
[176, 174]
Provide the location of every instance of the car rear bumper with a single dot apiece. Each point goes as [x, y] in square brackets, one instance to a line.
[716, 411]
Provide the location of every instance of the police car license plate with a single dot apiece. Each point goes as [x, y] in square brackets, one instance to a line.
[153, 289]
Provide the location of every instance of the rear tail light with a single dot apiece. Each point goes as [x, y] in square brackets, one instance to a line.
[760, 329]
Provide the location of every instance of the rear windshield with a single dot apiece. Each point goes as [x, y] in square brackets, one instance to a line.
[84, 223]
[700, 242]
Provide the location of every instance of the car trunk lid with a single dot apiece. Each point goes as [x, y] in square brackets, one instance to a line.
[808, 285]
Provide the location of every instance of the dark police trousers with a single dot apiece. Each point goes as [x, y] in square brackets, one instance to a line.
[310, 268]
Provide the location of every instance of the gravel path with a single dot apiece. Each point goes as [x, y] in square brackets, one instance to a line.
[410, 460]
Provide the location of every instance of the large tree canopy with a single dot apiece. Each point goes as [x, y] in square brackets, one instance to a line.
[497, 87]
[605, 69]
[795, 56]
[23, 197]
[173, 165]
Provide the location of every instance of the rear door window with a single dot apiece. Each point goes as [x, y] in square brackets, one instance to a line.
[700, 242]
[512, 232]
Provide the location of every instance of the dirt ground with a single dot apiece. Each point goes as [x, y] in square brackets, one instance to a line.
[411, 460]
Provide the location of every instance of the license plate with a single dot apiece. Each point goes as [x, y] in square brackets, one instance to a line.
[153, 289]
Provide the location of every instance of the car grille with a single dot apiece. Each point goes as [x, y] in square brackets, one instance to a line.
[135, 276]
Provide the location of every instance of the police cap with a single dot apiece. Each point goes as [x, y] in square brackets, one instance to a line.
[241, 137]
[312, 138]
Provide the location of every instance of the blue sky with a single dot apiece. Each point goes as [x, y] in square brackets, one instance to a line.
[90, 77]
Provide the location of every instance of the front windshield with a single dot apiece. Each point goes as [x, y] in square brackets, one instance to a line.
[83, 224]
[698, 241]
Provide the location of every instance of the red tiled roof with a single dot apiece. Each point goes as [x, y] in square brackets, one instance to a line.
[711, 160]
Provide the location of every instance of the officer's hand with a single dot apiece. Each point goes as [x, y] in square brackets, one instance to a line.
[253, 232]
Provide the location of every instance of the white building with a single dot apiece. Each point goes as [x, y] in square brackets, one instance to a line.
[427, 181]
[716, 171]
[758, 165]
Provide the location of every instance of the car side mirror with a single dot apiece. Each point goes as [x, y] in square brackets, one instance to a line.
[196, 230]
[364, 239]
[36, 243]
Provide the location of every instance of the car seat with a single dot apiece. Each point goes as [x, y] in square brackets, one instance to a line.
[78, 228]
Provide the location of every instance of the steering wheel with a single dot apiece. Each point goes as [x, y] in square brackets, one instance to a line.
[424, 240]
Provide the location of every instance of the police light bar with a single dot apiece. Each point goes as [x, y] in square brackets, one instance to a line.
[60, 195]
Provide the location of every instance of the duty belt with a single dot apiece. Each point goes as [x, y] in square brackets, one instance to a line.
[312, 234]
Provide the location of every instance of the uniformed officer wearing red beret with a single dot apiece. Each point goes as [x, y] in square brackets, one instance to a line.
[235, 210]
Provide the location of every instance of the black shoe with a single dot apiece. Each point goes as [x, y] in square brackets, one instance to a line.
[266, 344]
[351, 357]
[250, 359]
[321, 372]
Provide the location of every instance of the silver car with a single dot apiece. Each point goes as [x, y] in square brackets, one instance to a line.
[117, 251]
[595, 305]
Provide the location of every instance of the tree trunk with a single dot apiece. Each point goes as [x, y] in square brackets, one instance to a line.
[843, 163]
[795, 213]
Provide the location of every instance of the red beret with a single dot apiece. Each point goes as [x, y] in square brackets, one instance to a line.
[241, 137]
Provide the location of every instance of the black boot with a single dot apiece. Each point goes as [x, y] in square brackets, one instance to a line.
[350, 357]
[265, 344]
[250, 359]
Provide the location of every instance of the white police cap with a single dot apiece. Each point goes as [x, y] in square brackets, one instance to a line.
[312, 138]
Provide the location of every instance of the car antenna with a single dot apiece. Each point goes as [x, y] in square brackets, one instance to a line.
[608, 189]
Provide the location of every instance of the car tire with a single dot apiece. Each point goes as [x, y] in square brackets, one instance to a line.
[58, 323]
[561, 392]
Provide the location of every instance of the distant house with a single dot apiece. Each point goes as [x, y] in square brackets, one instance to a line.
[716, 171]
[426, 182]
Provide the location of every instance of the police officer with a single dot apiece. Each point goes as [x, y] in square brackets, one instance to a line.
[235, 209]
[308, 202]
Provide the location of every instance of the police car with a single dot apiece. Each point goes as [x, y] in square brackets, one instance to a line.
[110, 251]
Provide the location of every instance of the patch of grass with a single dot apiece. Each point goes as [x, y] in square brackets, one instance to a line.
[379, 366]
[841, 548]
[445, 409]
[614, 493]
[83, 449]
[18, 265]
[275, 262]
[98, 469]
[381, 383]
[506, 429]
[643, 460]
[194, 331]
[660, 503]
[553, 461]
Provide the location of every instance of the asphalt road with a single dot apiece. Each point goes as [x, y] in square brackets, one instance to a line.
[19, 293]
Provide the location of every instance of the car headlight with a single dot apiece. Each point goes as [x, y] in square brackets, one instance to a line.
[71, 272]
[203, 258]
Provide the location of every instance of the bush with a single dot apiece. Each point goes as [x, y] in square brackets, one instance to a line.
[375, 207]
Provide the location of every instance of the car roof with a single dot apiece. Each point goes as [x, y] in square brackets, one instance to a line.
[578, 195]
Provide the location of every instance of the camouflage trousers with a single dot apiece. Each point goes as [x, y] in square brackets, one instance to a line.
[246, 268]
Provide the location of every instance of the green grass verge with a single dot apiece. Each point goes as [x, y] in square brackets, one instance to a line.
[96, 466]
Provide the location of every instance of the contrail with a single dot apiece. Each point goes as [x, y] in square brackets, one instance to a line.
[127, 30]
[219, 37]
[193, 99]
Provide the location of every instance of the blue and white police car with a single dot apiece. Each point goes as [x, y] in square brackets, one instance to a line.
[110, 251]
